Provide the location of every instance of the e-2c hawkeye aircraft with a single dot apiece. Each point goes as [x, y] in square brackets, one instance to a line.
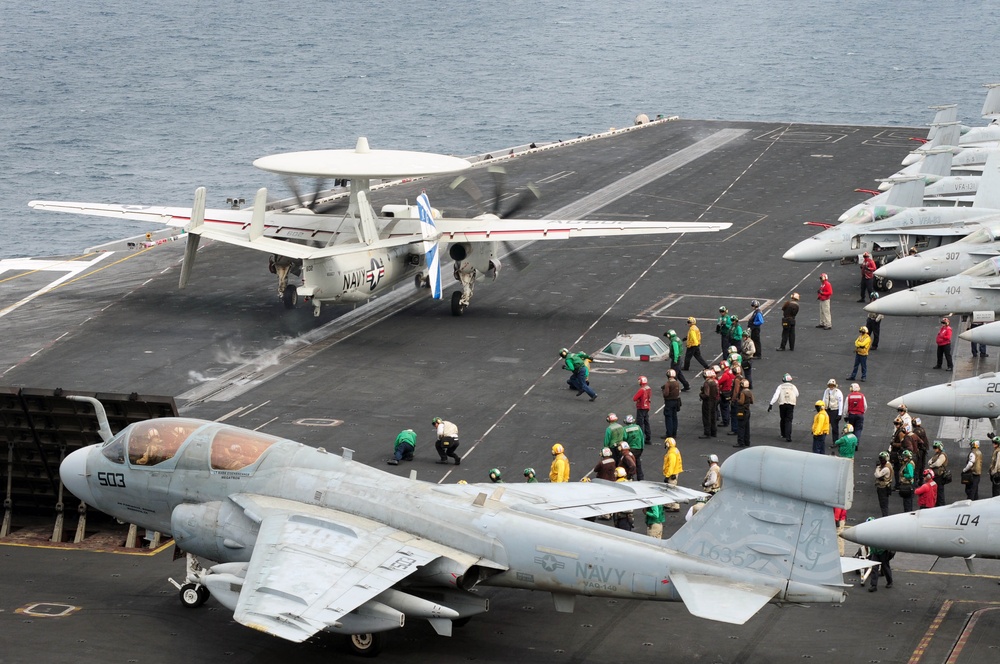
[350, 257]
[297, 540]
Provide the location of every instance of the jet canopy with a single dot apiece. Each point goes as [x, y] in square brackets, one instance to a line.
[984, 235]
[157, 441]
[988, 268]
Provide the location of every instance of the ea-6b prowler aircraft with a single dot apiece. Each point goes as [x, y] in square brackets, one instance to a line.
[352, 256]
[296, 540]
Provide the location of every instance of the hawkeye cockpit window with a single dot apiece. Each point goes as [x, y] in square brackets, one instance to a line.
[152, 442]
[235, 449]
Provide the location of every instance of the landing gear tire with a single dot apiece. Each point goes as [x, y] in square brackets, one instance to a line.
[192, 595]
[290, 296]
[365, 645]
[457, 308]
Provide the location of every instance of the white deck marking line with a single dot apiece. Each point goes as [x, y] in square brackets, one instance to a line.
[71, 268]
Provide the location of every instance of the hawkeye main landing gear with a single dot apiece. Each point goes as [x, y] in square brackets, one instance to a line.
[457, 308]
[290, 296]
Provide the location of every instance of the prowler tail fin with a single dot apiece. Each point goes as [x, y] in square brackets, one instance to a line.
[771, 523]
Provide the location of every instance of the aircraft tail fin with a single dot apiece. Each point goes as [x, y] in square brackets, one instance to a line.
[193, 238]
[947, 133]
[991, 107]
[945, 113]
[431, 248]
[938, 161]
[257, 220]
[988, 194]
[772, 526]
[367, 229]
[906, 191]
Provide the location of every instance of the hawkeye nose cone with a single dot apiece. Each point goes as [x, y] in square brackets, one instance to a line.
[904, 303]
[810, 251]
[73, 473]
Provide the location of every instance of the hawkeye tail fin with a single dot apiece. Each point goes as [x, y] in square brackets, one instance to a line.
[430, 244]
[772, 526]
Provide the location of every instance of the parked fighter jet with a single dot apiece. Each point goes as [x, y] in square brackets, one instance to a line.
[966, 161]
[975, 397]
[947, 260]
[969, 136]
[988, 334]
[975, 289]
[892, 229]
[302, 540]
[965, 528]
[941, 187]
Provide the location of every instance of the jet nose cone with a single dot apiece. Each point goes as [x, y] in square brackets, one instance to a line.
[849, 534]
[73, 473]
[807, 251]
[904, 303]
[933, 400]
[910, 267]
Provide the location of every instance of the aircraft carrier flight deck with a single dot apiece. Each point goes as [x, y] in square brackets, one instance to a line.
[225, 348]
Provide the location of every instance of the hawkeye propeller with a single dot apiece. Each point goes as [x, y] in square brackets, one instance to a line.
[314, 203]
[523, 200]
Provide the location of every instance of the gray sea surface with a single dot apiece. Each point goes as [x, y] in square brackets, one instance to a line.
[117, 102]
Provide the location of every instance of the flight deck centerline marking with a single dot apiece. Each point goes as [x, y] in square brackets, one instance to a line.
[255, 408]
[265, 424]
[230, 414]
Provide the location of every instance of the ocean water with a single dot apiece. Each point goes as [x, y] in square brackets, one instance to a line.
[103, 102]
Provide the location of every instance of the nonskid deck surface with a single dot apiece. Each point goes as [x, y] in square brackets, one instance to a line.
[226, 348]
